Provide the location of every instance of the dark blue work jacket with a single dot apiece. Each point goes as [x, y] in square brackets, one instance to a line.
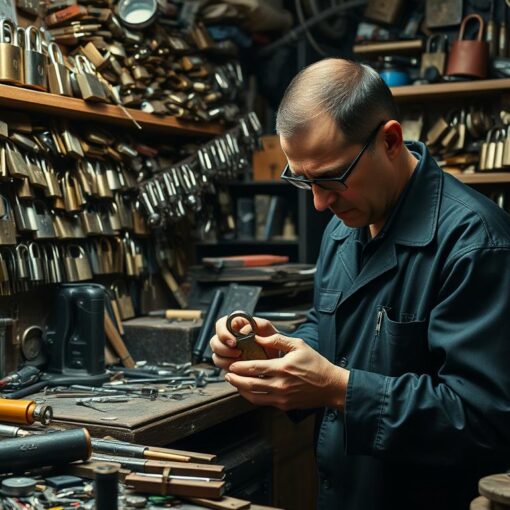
[420, 315]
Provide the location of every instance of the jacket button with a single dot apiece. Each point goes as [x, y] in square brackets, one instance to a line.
[332, 415]
[343, 361]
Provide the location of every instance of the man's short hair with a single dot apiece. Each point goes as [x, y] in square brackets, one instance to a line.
[352, 93]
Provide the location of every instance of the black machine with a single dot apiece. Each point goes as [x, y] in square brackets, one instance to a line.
[74, 336]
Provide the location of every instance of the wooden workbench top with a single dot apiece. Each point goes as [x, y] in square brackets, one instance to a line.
[157, 422]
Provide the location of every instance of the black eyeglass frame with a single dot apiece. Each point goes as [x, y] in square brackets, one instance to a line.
[339, 181]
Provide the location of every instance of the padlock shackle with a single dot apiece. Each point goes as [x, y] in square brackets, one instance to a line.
[7, 23]
[468, 18]
[55, 53]
[34, 250]
[32, 34]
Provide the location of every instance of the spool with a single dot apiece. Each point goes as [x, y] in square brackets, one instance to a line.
[56, 449]
[106, 487]
[24, 412]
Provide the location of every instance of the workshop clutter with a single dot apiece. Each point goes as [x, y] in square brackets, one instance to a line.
[449, 43]
[124, 474]
[470, 138]
[225, 158]
[169, 65]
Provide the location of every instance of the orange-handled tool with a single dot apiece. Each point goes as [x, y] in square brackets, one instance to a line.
[24, 411]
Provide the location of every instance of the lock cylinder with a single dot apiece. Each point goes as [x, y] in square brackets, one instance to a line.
[25, 412]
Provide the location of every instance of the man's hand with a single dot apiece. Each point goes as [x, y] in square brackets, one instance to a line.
[223, 344]
[301, 379]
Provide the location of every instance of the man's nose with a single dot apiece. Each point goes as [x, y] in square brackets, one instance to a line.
[322, 198]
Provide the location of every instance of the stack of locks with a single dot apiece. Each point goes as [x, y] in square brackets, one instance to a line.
[86, 51]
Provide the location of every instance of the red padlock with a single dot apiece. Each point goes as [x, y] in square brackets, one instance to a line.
[469, 58]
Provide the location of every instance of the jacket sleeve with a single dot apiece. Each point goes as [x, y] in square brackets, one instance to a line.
[460, 412]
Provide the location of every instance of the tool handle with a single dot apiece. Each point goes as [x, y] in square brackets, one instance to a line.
[58, 448]
[117, 343]
[185, 315]
[207, 326]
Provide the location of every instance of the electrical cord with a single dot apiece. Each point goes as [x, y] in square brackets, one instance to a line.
[294, 34]
[313, 43]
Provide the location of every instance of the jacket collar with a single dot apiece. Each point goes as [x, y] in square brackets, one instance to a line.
[414, 223]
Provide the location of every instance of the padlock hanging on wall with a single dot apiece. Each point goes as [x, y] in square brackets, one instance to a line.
[469, 58]
[435, 54]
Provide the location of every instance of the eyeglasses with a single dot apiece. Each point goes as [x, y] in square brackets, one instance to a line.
[329, 183]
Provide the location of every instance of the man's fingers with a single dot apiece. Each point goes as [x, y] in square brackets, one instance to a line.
[279, 342]
[218, 347]
[249, 384]
[255, 368]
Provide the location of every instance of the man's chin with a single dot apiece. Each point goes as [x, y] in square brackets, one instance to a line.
[350, 218]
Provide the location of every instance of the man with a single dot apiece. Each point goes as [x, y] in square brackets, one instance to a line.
[405, 352]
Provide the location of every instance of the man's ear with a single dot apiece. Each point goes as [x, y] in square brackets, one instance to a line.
[393, 139]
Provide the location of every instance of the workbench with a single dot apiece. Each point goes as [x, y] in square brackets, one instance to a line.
[163, 423]
[151, 422]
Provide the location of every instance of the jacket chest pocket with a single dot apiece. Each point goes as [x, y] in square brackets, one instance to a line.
[399, 347]
[327, 303]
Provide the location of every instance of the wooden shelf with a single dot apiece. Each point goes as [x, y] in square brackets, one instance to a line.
[251, 242]
[484, 178]
[42, 102]
[451, 90]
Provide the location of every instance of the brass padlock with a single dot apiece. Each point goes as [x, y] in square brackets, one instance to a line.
[7, 223]
[34, 60]
[90, 222]
[73, 196]
[506, 149]
[91, 89]
[105, 255]
[24, 214]
[77, 264]
[124, 300]
[37, 176]
[112, 178]
[118, 255]
[437, 131]
[45, 227]
[103, 188]
[435, 54]
[53, 187]
[15, 162]
[59, 78]
[490, 156]
[11, 56]
[500, 146]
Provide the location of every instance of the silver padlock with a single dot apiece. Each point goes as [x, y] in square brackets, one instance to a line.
[59, 78]
[11, 56]
[34, 60]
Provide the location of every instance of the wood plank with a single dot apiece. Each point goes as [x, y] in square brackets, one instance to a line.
[440, 91]
[74, 108]
[483, 178]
